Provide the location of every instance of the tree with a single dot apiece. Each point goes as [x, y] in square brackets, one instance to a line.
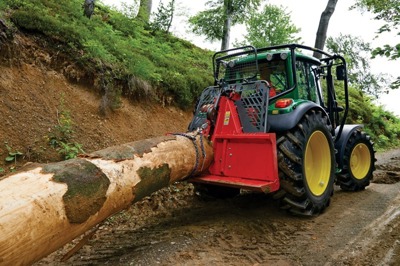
[357, 55]
[164, 16]
[271, 26]
[389, 12]
[216, 22]
[323, 26]
[145, 10]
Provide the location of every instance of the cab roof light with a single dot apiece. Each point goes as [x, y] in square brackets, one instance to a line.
[283, 103]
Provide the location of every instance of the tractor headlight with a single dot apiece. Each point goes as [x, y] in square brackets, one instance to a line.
[284, 56]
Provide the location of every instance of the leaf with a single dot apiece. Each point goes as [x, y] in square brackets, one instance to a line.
[13, 154]
[10, 159]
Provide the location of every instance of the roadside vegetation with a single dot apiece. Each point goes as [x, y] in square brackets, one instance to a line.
[124, 56]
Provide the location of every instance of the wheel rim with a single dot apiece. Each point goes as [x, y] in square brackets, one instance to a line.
[317, 161]
[360, 161]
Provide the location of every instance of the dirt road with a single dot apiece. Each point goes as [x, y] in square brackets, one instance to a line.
[173, 227]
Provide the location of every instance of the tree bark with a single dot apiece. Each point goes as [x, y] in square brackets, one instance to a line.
[226, 32]
[44, 207]
[145, 10]
[323, 26]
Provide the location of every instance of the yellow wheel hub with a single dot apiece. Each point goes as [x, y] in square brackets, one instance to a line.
[360, 161]
[317, 162]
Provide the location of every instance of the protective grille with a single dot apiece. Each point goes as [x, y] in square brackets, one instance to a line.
[252, 106]
[207, 98]
[238, 66]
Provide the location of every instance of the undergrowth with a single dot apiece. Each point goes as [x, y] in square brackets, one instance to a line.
[382, 126]
[61, 135]
[118, 48]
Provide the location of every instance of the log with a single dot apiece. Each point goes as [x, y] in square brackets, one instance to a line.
[43, 207]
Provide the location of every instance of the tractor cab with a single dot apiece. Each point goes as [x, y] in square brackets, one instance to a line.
[291, 78]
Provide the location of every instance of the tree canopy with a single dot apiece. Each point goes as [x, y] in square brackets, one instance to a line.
[357, 55]
[389, 12]
[270, 26]
[215, 23]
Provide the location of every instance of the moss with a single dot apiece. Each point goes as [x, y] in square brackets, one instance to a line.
[151, 180]
[87, 187]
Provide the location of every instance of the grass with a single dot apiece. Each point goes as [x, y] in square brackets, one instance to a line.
[116, 49]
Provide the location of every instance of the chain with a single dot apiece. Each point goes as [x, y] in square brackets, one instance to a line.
[193, 139]
[203, 152]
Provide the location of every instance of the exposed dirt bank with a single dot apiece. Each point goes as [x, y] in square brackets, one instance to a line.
[33, 96]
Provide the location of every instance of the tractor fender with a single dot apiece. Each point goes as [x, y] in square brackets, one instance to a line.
[340, 144]
[283, 122]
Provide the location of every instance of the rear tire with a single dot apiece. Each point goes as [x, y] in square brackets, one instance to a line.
[358, 163]
[306, 164]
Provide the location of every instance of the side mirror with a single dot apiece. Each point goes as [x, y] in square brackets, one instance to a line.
[341, 72]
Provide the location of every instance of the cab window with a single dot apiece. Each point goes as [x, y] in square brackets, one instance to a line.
[306, 82]
[275, 73]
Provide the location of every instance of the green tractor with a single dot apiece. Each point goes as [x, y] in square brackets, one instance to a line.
[276, 127]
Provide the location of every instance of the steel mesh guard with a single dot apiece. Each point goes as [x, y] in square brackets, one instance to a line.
[207, 99]
[252, 106]
[237, 65]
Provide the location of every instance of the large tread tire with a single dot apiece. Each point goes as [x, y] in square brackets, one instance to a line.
[206, 191]
[358, 162]
[306, 161]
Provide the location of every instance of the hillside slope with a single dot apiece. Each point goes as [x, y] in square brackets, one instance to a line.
[32, 91]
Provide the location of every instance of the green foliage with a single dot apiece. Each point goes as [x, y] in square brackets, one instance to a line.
[357, 55]
[70, 150]
[387, 11]
[163, 17]
[12, 154]
[117, 48]
[62, 133]
[131, 9]
[381, 125]
[210, 22]
[270, 26]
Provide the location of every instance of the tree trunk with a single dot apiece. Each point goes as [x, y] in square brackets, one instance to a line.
[172, 9]
[226, 32]
[43, 207]
[323, 26]
[145, 10]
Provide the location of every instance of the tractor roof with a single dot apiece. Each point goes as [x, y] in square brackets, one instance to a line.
[263, 55]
